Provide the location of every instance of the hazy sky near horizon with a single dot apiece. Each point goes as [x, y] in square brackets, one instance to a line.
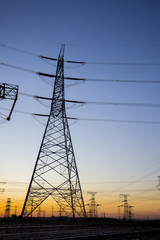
[108, 154]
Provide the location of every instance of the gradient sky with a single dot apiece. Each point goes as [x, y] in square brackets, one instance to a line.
[112, 158]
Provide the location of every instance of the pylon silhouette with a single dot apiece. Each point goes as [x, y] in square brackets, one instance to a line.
[93, 205]
[8, 208]
[55, 173]
[10, 92]
[127, 215]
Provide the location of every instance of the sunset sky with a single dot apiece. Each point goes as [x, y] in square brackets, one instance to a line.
[118, 40]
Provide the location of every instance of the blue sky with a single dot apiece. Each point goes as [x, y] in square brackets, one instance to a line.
[93, 31]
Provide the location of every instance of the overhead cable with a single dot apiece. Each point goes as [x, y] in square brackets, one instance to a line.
[111, 80]
[80, 62]
[105, 103]
[100, 182]
[124, 63]
[19, 50]
[17, 111]
[68, 61]
[26, 94]
[89, 119]
[96, 103]
[36, 55]
[116, 103]
[104, 120]
[100, 80]
[80, 79]
[114, 120]
[105, 63]
[17, 67]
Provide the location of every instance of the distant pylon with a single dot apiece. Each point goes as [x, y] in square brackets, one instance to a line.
[15, 210]
[55, 173]
[93, 205]
[7, 208]
[39, 211]
[60, 211]
[127, 214]
[2, 190]
[158, 186]
[130, 212]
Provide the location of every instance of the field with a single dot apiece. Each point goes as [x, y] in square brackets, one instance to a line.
[89, 229]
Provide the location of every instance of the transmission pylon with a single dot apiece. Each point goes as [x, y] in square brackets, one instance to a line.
[39, 211]
[158, 186]
[127, 214]
[10, 92]
[2, 190]
[92, 205]
[55, 173]
[7, 208]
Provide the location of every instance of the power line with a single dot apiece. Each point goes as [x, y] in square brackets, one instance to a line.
[55, 59]
[89, 119]
[81, 79]
[139, 179]
[105, 63]
[100, 182]
[26, 94]
[105, 103]
[18, 50]
[119, 182]
[36, 55]
[114, 120]
[96, 103]
[112, 80]
[116, 103]
[104, 120]
[124, 63]
[16, 111]
[80, 62]
[17, 67]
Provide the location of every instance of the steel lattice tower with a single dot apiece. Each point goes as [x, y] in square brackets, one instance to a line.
[158, 186]
[127, 215]
[93, 205]
[55, 173]
[10, 92]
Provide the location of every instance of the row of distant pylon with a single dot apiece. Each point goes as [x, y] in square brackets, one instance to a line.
[92, 205]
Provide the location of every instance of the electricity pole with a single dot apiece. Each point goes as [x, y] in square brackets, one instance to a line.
[55, 173]
[127, 214]
[93, 205]
[10, 92]
[158, 186]
[8, 208]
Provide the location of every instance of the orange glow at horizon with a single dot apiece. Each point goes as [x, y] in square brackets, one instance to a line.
[143, 207]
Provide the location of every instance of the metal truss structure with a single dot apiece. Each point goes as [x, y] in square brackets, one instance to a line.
[128, 214]
[2, 190]
[7, 208]
[55, 173]
[158, 186]
[10, 92]
[92, 213]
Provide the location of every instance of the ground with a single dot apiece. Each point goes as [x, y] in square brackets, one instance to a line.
[58, 229]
